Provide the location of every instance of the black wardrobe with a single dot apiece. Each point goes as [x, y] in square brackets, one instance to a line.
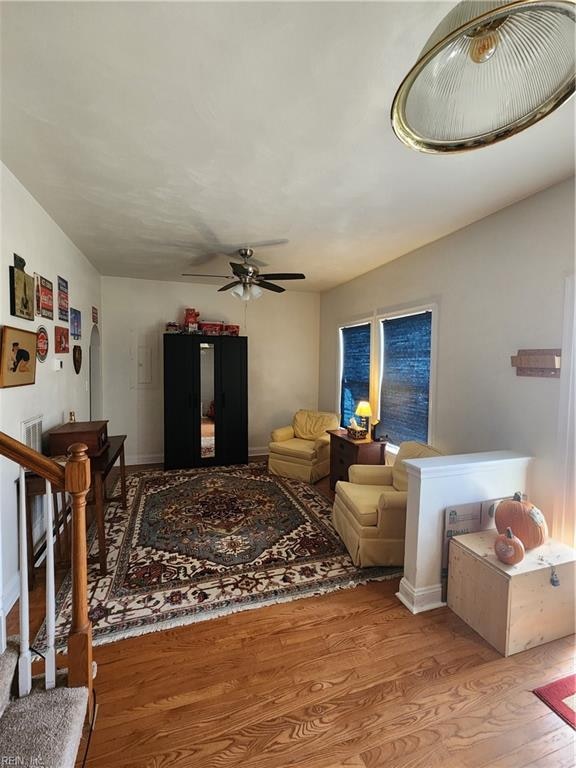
[205, 400]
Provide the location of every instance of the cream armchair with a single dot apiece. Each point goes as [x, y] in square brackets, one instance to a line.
[369, 512]
[302, 450]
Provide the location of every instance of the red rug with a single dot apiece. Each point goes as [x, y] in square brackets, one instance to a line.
[560, 696]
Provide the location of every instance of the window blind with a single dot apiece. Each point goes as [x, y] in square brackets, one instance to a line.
[404, 402]
[355, 382]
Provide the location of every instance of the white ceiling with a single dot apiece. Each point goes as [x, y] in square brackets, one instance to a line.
[137, 125]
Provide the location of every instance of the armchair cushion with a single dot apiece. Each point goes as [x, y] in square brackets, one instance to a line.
[370, 474]
[309, 425]
[299, 449]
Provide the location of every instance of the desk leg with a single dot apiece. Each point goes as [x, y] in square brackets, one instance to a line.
[99, 510]
[123, 478]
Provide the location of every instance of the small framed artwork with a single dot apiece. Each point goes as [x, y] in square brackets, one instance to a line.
[42, 344]
[61, 340]
[62, 299]
[95, 315]
[21, 294]
[44, 297]
[75, 323]
[17, 357]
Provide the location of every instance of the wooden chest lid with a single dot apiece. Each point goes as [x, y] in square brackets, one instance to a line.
[73, 427]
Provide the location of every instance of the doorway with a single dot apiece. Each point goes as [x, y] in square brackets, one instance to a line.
[95, 363]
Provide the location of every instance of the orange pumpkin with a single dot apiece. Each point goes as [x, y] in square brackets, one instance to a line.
[526, 520]
[509, 549]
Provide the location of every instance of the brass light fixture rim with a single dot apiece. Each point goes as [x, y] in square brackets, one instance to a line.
[434, 146]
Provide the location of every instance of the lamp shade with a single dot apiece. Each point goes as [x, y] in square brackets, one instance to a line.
[363, 409]
[246, 291]
[489, 70]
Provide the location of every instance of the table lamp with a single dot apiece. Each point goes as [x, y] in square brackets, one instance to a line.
[365, 412]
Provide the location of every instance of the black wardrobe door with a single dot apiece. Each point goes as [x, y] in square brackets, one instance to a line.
[181, 388]
[232, 384]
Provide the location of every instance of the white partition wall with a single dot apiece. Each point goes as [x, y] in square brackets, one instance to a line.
[433, 485]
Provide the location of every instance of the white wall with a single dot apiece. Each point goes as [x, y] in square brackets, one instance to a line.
[30, 232]
[283, 349]
[499, 286]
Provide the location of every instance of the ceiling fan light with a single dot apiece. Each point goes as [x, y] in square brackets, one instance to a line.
[489, 70]
[255, 291]
[239, 291]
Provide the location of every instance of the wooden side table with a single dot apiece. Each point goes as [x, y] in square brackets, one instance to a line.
[344, 452]
[100, 467]
[513, 607]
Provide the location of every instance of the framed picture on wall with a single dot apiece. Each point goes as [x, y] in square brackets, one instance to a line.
[21, 294]
[75, 323]
[62, 299]
[17, 357]
[44, 297]
[61, 340]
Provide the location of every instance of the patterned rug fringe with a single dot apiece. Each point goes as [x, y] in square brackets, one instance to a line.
[218, 613]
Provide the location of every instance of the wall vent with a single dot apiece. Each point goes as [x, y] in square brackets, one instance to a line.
[31, 431]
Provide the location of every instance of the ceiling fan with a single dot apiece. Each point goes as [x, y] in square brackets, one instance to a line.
[247, 282]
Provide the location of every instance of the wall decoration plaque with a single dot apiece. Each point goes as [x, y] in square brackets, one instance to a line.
[17, 357]
[77, 357]
[44, 297]
[95, 315]
[62, 299]
[61, 340]
[21, 294]
[42, 344]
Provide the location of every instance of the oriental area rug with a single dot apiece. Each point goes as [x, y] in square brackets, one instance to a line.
[197, 544]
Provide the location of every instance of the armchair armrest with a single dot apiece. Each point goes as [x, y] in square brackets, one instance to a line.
[370, 474]
[281, 434]
[321, 441]
[393, 500]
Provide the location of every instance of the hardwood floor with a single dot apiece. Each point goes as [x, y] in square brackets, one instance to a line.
[347, 680]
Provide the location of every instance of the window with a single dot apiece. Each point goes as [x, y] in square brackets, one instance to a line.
[405, 389]
[354, 369]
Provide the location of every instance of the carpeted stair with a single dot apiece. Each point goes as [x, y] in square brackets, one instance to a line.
[43, 728]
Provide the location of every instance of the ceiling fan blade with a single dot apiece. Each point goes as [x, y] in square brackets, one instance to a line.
[238, 269]
[284, 276]
[269, 286]
[230, 285]
[197, 274]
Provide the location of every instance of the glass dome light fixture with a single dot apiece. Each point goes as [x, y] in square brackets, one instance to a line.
[246, 291]
[490, 69]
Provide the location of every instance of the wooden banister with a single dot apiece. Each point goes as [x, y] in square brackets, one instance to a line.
[31, 459]
[74, 478]
[77, 483]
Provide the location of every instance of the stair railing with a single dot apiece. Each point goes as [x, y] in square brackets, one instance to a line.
[74, 478]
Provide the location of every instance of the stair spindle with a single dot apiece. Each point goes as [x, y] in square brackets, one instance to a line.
[24, 660]
[50, 659]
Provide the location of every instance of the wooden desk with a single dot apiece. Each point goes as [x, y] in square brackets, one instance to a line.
[100, 467]
[344, 452]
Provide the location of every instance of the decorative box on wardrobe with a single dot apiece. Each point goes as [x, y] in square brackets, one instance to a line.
[205, 400]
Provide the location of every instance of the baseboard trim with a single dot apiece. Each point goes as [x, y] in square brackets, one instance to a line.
[420, 599]
[134, 460]
[258, 451]
[144, 458]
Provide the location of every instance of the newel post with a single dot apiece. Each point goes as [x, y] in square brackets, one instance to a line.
[77, 483]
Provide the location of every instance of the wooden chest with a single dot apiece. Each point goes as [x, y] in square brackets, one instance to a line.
[94, 434]
[513, 607]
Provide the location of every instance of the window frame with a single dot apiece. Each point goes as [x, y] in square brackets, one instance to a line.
[404, 311]
[353, 323]
[377, 355]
